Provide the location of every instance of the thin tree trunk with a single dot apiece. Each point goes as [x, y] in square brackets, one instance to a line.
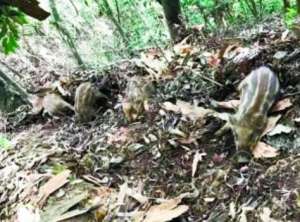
[118, 11]
[174, 19]
[110, 14]
[66, 36]
[298, 7]
[286, 5]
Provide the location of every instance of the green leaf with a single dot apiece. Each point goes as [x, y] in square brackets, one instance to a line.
[12, 43]
[13, 28]
[4, 45]
[3, 30]
[20, 19]
[4, 143]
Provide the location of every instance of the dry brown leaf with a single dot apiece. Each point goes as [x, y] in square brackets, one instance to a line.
[166, 211]
[192, 111]
[135, 194]
[231, 104]
[282, 105]
[187, 109]
[183, 49]
[103, 194]
[272, 121]
[154, 66]
[52, 185]
[263, 150]
[188, 140]
[171, 107]
[121, 136]
[122, 194]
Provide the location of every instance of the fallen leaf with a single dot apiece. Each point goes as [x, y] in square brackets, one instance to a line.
[122, 194]
[265, 215]
[188, 140]
[243, 215]
[209, 199]
[166, 211]
[171, 107]
[263, 150]
[122, 135]
[222, 116]
[231, 104]
[279, 129]
[157, 67]
[197, 158]
[272, 121]
[28, 214]
[52, 185]
[177, 132]
[284, 35]
[232, 210]
[183, 49]
[282, 105]
[187, 109]
[59, 209]
[137, 196]
[280, 55]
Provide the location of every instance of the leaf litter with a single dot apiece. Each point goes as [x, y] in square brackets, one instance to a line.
[168, 165]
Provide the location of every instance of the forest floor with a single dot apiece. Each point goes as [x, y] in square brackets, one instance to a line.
[168, 165]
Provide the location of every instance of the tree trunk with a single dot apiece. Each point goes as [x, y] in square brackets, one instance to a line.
[174, 19]
[286, 5]
[298, 7]
[110, 14]
[66, 36]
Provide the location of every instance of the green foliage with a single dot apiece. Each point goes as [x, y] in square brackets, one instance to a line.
[218, 13]
[272, 6]
[4, 142]
[58, 168]
[104, 31]
[290, 16]
[10, 20]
